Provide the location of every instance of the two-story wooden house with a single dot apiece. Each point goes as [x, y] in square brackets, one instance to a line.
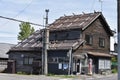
[73, 40]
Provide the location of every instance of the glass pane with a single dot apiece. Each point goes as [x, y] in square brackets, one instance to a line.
[25, 60]
[30, 60]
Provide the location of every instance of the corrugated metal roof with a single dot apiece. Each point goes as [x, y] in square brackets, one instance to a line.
[63, 23]
[74, 21]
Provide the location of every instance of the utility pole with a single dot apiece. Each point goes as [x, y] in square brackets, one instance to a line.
[118, 26]
[46, 44]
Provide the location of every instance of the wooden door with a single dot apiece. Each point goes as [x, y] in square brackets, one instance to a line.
[11, 66]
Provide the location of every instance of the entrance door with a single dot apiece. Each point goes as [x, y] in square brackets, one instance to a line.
[78, 66]
[11, 66]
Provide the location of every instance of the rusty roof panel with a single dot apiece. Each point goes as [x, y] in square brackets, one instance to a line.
[74, 21]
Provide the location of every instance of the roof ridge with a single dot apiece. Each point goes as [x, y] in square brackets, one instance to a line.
[80, 14]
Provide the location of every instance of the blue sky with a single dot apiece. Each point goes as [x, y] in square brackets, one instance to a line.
[34, 11]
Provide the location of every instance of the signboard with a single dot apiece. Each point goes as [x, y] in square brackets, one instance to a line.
[60, 66]
[65, 66]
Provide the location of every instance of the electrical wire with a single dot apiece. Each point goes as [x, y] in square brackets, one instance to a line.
[19, 20]
[20, 12]
[92, 6]
[23, 9]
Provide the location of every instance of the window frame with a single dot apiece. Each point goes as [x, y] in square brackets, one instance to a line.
[28, 60]
[102, 42]
[58, 60]
[89, 39]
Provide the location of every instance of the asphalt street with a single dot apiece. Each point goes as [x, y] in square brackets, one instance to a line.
[42, 77]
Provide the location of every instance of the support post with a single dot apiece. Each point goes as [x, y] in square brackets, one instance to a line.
[70, 61]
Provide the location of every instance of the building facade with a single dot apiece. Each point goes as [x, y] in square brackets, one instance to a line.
[73, 41]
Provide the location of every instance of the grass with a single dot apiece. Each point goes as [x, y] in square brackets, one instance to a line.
[61, 76]
[22, 73]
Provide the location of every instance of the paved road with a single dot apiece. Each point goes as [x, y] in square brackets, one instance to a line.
[26, 77]
[99, 77]
[104, 78]
[42, 77]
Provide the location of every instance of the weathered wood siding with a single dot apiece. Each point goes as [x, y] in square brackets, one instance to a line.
[53, 67]
[97, 30]
[20, 66]
[65, 35]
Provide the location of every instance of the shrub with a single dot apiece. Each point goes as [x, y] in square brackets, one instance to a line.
[114, 70]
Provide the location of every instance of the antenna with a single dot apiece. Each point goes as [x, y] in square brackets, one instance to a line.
[101, 2]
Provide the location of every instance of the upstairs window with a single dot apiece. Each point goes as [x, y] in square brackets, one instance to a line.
[89, 39]
[101, 42]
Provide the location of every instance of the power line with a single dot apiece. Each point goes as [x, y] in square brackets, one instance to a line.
[20, 11]
[20, 20]
[92, 6]
[24, 8]
[101, 2]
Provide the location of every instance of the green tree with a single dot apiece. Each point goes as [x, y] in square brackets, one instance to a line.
[25, 31]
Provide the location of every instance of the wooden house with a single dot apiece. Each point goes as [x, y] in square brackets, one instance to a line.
[85, 36]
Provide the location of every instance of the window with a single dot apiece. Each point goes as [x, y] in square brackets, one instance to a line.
[55, 35]
[28, 61]
[3, 62]
[53, 59]
[89, 39]
[58, 60]
[101, 42]
[104, 64]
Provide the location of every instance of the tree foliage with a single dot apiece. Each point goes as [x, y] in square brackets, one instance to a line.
[25, 31]
[114, 59]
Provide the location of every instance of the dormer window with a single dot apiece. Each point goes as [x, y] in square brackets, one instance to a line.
[89, 39]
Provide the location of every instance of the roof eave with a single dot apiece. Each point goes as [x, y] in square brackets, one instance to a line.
[91, 22]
